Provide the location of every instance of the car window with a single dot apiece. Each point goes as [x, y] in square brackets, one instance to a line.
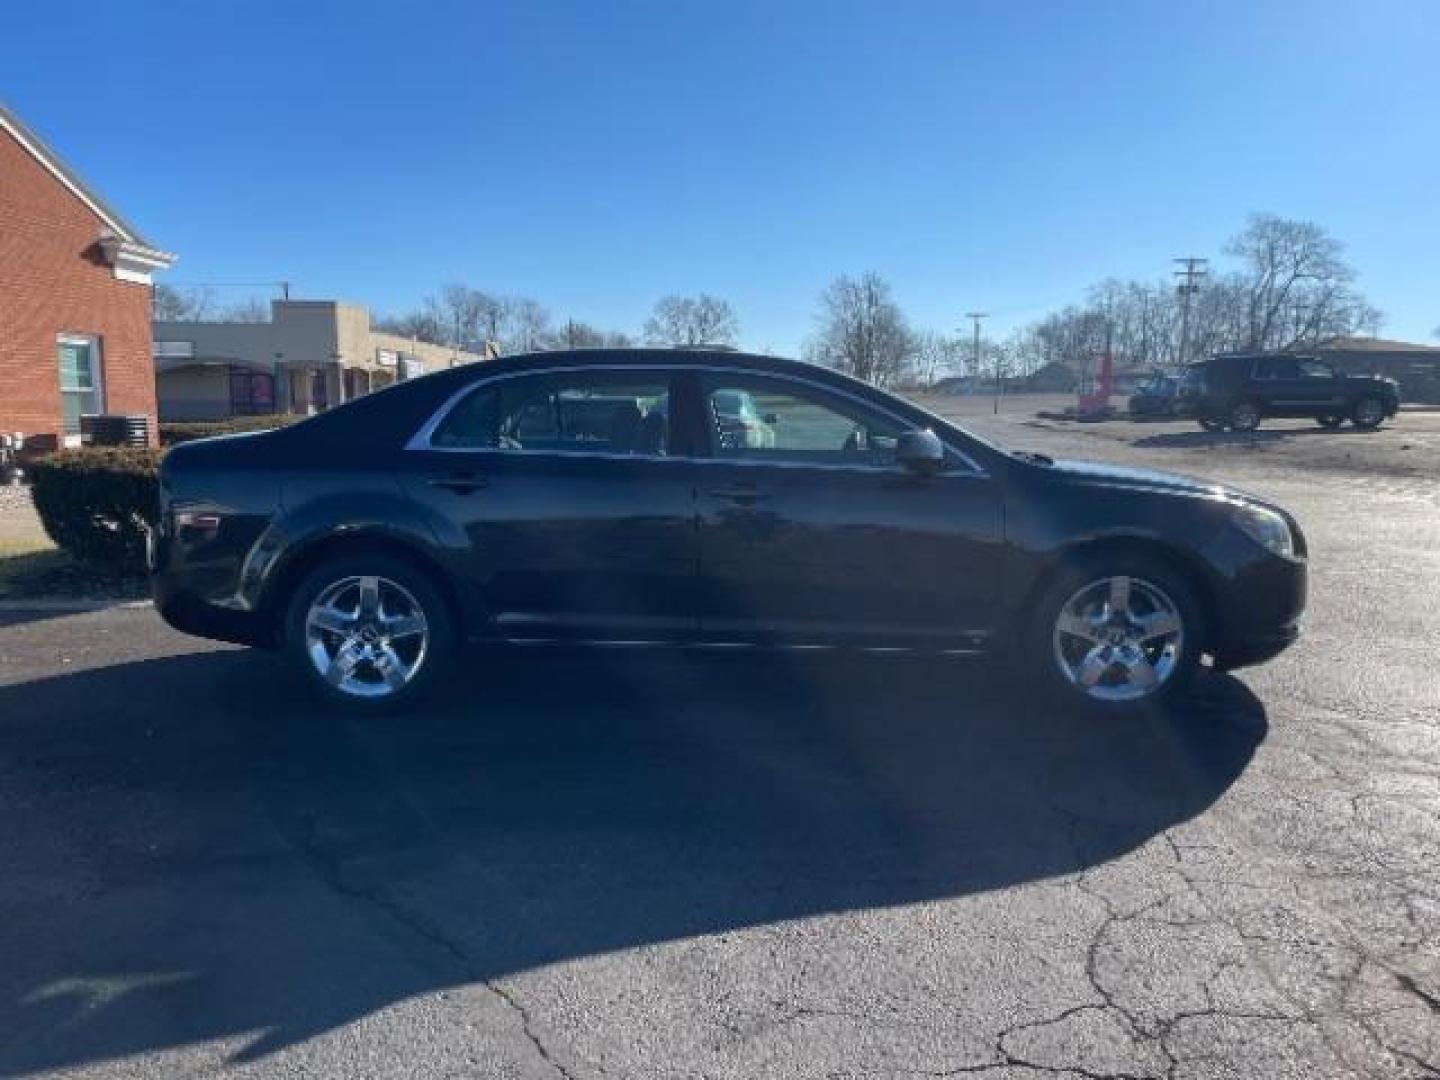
[1276, 367]
[1314, 369]
[765, 421]
[562, 413]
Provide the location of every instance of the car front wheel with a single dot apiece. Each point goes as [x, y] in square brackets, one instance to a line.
[369, 633]
[1117, 637]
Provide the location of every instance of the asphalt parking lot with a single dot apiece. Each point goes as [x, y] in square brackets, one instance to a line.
[724, 866]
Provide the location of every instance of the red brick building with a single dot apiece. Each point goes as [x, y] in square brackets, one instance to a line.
[75, 296]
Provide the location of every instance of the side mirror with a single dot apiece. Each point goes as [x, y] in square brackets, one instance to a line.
[920, 452]
[771, 418]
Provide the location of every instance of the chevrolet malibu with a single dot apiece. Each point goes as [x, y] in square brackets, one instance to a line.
[593, 497]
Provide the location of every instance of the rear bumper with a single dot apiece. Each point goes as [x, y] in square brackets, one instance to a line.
[187, 611]
[190, 614]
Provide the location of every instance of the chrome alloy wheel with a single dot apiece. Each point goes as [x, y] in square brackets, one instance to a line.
[366, 636]
[1118, 639]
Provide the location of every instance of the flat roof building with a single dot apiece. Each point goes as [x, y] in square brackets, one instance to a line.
[1415, 367]
[310, 355]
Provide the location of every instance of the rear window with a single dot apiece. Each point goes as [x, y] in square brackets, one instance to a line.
[385, 418]
[587, 413]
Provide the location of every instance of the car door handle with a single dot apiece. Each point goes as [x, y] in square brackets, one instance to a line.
[743, 494]
[460, 483]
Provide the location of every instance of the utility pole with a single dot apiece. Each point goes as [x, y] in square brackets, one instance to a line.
[1194, 270]
[975, 317]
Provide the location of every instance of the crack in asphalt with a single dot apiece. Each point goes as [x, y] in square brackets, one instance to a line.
[329, 870]
[1432, 1002]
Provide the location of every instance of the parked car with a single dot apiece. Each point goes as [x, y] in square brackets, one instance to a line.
[369, 542]
[1238, 391]
[1157, 396]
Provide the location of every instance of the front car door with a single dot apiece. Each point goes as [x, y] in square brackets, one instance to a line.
[563, 504]
[810, 533]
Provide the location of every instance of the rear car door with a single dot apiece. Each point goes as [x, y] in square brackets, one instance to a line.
[1322, 390]
[810, 533]
[563, 507]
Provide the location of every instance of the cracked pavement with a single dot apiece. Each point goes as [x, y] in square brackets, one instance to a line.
[626, 866]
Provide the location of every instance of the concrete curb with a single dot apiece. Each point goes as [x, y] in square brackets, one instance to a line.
[76, 607]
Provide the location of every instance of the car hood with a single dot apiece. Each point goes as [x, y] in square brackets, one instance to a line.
[1149, 480]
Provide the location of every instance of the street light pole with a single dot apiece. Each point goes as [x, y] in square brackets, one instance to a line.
[975, 317]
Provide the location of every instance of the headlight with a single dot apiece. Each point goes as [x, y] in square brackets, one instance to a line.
[1266, 528]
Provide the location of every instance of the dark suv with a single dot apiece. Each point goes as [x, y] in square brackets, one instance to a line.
[1239, 390]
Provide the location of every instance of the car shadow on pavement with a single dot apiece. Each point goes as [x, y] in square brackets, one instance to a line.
[1189, 440]
[193, 852]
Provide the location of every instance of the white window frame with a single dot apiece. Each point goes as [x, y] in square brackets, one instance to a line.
[93, 344]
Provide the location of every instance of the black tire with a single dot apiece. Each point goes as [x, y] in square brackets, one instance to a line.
[437, 648]
[1368, 413]
[1211, 424]
[1330, 422]
[1039, 648]
[1245, 415]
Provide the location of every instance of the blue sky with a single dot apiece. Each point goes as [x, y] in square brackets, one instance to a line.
[1000, 155]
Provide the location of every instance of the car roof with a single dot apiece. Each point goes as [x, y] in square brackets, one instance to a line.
[641, 357]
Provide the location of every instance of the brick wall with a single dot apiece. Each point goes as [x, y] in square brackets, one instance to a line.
[53, 281]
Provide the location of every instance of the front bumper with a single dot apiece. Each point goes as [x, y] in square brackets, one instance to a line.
[1261, 606]
[1246, 652]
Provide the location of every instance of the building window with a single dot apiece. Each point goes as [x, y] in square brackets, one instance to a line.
[252, 393]
[81, 384]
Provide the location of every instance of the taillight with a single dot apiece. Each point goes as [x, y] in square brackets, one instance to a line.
[193, 522]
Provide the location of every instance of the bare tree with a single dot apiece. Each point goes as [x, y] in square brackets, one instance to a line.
[1292, 289]
[529, 326]
[252, 310]
[862, 331]
[467, 317]
[939, 355]
[692, 320]
[1297, 285]
[422, 325]
[574, 334]
[169, 304]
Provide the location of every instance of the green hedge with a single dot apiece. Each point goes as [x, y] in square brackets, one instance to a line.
[96, 502]
[173, 432]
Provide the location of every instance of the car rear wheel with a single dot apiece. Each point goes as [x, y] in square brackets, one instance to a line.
[1369, 412]
[1245, 416]
[1330, 421]
[369, 633]
[1210, 424]
[1117, 636]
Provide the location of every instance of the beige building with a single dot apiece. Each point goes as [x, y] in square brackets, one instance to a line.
[310, 355]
